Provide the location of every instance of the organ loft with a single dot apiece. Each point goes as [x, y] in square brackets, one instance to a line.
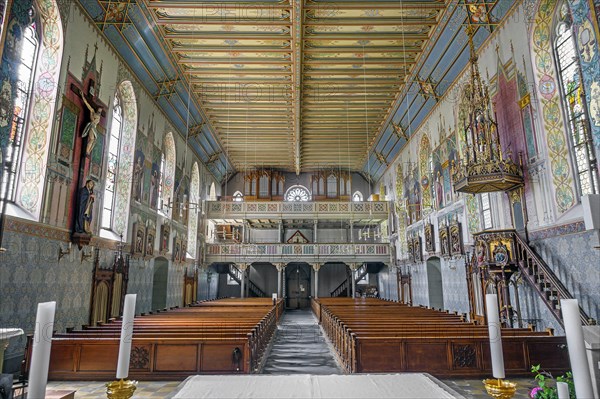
[299, 198]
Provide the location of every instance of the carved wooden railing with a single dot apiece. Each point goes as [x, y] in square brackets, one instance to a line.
[539, 275]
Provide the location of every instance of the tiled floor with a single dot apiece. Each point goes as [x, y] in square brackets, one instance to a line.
[96, 390]
[472, 389]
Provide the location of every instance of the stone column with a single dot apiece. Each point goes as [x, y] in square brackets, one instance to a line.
[280, 229]
[316, 267]
[243, 267]
[315, 231]
[353, 268]
[351, 233]
[280, 268]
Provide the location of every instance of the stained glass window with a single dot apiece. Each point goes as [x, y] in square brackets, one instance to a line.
[110, 185]
[297, 194]
[12, 157]
[574, 105]
[238, 196]
[486, 211]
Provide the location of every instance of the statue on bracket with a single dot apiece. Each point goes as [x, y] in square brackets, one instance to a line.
[91, 129]
[83, 222]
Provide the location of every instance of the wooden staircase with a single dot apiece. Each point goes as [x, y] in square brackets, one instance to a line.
[344, 288]
[236, 274]
[539, 276]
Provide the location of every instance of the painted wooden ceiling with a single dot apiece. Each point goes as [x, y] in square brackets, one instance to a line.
[295, 85]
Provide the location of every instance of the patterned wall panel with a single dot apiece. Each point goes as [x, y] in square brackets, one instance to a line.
[547, 86]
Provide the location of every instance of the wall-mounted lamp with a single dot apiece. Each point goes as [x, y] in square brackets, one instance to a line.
[62, 253]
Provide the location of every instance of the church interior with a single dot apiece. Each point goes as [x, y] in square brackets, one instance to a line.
[386, 198]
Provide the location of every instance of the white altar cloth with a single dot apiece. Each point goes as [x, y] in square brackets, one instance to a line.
[380, 386]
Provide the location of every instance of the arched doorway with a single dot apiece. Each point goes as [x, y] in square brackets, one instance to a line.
[159, 283]
[434, 281]
[297, 282]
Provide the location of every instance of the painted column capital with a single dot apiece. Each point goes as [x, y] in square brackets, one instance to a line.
[316, 266]
[280, 266]
[354, 266]
[243, 266]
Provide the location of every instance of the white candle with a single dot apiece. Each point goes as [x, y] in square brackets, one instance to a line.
[494, 329]
[126, 336]
[576, 345]
[563, 390]
[42, 344]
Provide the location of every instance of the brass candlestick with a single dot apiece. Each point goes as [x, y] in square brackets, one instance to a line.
[122, 389]
[500, 389]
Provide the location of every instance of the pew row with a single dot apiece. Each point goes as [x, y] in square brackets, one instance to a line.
[212, 337]
[377, 336]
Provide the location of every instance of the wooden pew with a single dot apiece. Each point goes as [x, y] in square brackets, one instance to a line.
[371, 335]
[224, 336]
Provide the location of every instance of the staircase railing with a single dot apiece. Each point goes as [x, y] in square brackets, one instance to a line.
[236, 274]
[339, 290]
[361, 272]
[539, 275]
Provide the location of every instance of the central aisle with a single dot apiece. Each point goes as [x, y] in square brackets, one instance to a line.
[299, 347]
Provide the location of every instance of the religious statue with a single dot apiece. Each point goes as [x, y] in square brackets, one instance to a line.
[439, 190]
[154, 182]
[91, 129]
[83, 223]
[138, 179]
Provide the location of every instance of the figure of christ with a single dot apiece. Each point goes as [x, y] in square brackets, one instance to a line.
[91, 129]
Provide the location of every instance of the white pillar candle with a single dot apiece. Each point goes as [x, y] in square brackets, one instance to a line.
[576, 345]
[42, 344]
[494, 329]
[126, 336]
[563, 390]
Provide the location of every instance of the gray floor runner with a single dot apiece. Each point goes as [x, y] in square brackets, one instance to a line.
[300, 347]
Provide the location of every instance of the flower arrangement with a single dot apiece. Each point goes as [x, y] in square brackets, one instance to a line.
[544, 390]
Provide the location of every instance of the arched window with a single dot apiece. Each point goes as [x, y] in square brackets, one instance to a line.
[167, 174]
[193, 211]
[24, 53]
[297, 194]
[114, 139]
[238, 196]
[357, 196]
[573, 99]
[212, 193]
[36, 41]
[119, 165]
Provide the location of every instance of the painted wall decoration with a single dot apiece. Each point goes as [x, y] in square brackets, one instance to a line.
[137, 190]
[545, 74]
[138, 238]
[425, 169]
